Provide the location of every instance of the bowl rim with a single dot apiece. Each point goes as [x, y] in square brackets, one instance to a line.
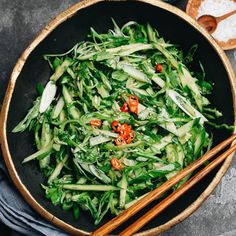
[17, 70]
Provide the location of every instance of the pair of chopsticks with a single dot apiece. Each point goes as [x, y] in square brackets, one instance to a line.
[154, 194]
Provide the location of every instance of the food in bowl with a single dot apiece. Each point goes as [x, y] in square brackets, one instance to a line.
[120, 115]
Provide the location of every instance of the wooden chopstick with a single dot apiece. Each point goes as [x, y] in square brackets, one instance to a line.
[175, 195]
[154, 194]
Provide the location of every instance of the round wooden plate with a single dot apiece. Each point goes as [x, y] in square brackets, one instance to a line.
[192, 10]
[61, 34]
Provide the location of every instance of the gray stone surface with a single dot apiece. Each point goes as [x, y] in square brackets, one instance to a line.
[20, 21]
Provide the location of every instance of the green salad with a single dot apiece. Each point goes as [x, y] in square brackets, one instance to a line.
[120, 115]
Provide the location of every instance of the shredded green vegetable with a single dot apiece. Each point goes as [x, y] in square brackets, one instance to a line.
[91, 82]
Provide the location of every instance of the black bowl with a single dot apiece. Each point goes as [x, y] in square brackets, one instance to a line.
[31, 69]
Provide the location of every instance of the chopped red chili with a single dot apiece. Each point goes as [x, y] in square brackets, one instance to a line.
[96, 123]
[133, 104]
[124, 108]
[120, 140]
[130, 137]
[126, 134]
[115, 126]
[158, 68]
[125, 128]
[116, 163]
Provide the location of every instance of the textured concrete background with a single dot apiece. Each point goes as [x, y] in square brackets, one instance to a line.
[20, 21]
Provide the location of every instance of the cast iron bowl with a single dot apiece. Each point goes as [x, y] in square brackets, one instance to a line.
[60, 35]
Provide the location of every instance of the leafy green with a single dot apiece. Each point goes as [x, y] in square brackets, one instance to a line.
[92, 81]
